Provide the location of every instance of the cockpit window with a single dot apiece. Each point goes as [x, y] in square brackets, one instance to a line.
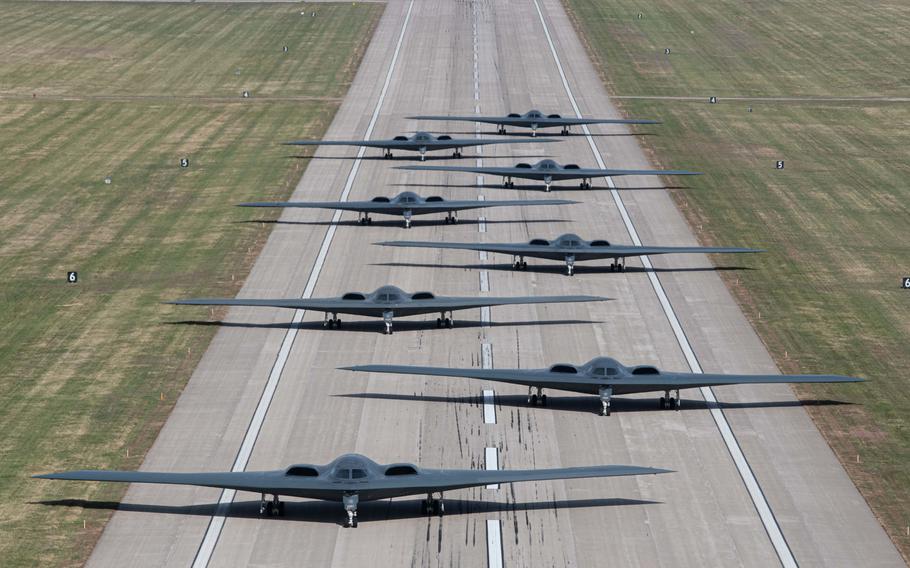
[358, 473]
[408, 199]
[389, 298]
[605, 371]
[569, 243]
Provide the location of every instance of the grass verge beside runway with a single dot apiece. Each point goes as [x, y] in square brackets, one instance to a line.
[89, 371]
[827, 297]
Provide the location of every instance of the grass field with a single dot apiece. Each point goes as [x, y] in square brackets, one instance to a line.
[88, 371]
[827, 297]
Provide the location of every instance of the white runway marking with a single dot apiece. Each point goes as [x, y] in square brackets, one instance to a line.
[491, 461]
[486, 356]
[482, 228]
[489, 409]
[755, 492]
[213, 532]
[484, 281]
[494, 544]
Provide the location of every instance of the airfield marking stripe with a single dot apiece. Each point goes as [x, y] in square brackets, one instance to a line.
[491, 463]
[484, 281]
[784, 554]
[489, 409]
[216, 524]
[494, 544]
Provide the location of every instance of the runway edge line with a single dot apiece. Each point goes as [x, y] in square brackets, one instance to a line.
[784, 554]
[216, 524]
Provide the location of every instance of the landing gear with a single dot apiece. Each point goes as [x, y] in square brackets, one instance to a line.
[605, 394]
[536, 398]
[407, 219]
[423, 154]
[387, 320]
[667, 402]
[519, 263]
[350, 506]
[501, 129]
[452, 218]
[585, 184]
[570, 264]
[565, 130]
[387, 155]
[443, 321]
[271, 507]
[508, 183]
[619, 265]
[365, 219]
[331, 322]
[457, 153]
[431, 506]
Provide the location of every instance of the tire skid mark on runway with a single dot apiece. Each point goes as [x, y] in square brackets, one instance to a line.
[491, 456]
[216, 524]
[778, 541]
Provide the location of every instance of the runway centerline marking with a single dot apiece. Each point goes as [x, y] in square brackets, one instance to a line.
[491, 463]
[494, 544]
[784, 554]
[489, 408]
[216, 524]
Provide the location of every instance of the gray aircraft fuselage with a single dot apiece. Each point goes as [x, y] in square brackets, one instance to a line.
[408, 204]
[569, 248]
[533, 119]
[349, 479]
[547, 171]
[603, 376]
[388, 302]
[421, 142]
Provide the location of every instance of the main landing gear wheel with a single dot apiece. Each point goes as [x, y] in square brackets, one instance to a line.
[520, 265]
[508, 184]
[668, 402]
[536, 398]
[366, 220]
[430, 506]
[271, 508]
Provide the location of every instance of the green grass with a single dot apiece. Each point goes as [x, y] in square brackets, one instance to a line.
[827, 297]
[89, 371]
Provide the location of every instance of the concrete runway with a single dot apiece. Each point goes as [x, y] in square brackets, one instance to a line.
[702, 515]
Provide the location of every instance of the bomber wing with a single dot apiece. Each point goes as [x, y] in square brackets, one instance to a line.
[454, 205]
[504, 248]
[432, 480]
[317, 304]
[696, 380]
[342, 205]
[456, 303]
[259, 482]
[512, 376]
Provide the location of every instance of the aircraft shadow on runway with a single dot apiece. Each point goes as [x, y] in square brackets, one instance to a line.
[561, 269]
[333, 513]
[399, 224]
[589, 404]
[376, 326]
[555, 188]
